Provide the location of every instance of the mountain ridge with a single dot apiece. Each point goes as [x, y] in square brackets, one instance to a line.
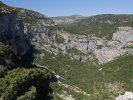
[65, 65]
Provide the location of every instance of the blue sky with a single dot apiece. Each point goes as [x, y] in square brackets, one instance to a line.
[70, 7]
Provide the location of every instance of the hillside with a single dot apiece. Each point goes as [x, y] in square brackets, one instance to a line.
[75, 58]
[29, 16]
[89, 80]
[62, 20]
[20, 80]
[100, 25]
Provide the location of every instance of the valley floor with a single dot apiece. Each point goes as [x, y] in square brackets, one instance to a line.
[88, 81]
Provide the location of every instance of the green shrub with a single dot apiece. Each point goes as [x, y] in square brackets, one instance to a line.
[17, 81]
[29, 95]
[59, 39]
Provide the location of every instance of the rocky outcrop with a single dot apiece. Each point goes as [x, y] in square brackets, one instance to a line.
[36, 26]
[123, 35]
[126, 96]
[37, 32]
[19, 27]
[12, 33]
[106, 54]
[104, 50]
[42, 30]
[117, 46]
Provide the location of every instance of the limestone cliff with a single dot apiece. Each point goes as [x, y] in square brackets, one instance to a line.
[40, 29]
[12, 32]
[36, 25]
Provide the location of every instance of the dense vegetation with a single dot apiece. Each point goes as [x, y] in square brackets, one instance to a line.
[27, 83]
[100, 25]
[116, 78]
[102, 82]
[18, 83]
[21, 79]
[57, 27]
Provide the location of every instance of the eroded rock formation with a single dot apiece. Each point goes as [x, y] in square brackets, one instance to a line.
[12, 32]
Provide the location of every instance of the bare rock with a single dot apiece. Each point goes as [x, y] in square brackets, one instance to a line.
[12, 33]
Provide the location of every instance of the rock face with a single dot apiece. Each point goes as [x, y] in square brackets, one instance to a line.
[105, 55]
[36, 25]
[19, 27]
[40, 29]
[126, 96]
[103, 50]
[124, 35]
[12, 33]
[38, 32]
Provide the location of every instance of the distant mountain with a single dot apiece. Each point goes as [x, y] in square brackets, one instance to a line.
[100, 25]
[67, 19]
[72, 58]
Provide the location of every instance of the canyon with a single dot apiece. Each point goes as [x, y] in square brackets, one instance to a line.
[89, 57]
